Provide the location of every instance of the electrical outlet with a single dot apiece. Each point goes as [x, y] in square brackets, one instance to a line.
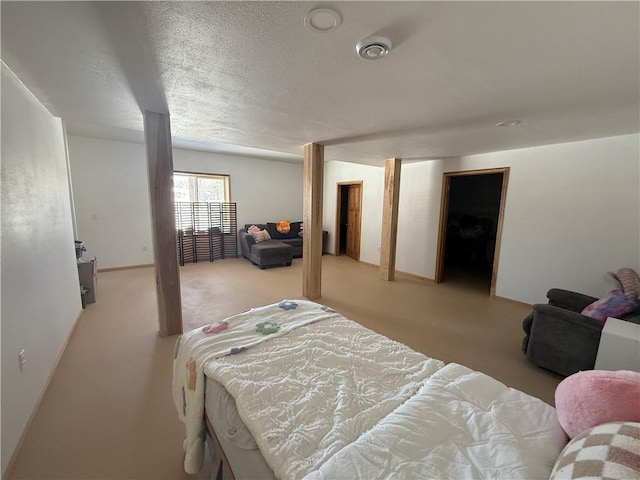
[21, 359]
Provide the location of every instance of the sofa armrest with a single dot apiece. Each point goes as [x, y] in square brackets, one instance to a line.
[246, 240]
[563, 341]
[573, 301]
[554, 315]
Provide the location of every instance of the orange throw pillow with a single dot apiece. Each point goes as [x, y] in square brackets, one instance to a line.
[283, 226]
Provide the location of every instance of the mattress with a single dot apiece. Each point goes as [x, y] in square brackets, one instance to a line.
[239, 448]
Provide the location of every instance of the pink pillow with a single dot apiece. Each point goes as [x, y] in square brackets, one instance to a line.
[613, 305]
[593, 397]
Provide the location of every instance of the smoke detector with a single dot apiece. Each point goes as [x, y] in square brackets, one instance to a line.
[373, 48]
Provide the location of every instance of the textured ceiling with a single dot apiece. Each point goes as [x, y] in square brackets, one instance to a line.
[249, 74]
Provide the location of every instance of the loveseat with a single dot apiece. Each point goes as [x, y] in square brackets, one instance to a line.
[279, 250]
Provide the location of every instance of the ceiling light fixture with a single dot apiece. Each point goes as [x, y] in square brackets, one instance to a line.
[373, 48]
[508, 123]
[322, 20]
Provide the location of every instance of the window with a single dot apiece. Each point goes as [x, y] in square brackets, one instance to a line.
[202, 203]
[190, 187]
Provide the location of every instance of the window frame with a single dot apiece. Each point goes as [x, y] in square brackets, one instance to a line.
[192, 178]
[193, 186]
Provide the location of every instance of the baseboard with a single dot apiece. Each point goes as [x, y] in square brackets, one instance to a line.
[516, 302]
[369, 264]
[129, 267]
[431, 280]
[27, 427]
[416, 277]
[404, 274]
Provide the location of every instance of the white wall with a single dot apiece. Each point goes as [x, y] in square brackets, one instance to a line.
[419, 215]
[572, 214]
[572, 210]
[40, 289]
[112, 195]
[264, 191]
[372, 194]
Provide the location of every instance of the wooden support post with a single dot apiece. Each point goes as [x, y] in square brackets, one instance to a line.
[157, 133]
[390, 218]
[312, 218]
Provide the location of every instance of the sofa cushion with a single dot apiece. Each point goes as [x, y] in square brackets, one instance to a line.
[271, 252]
[261, 236]
[294, 242]
[283, 226]
[608, 451]
[261, 226]
[253, 229]
[613, 305]
[591, 397]
[294, 228]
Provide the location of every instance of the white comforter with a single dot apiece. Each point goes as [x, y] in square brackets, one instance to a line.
[461, 424]
[336, 400]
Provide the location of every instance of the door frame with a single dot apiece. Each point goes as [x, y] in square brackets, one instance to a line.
[444, 212]
[336, 247]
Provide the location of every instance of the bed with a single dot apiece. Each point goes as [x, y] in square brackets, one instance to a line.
[295, 390]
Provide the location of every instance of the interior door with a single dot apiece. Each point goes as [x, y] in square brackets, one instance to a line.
[353, 221]
[444, 212]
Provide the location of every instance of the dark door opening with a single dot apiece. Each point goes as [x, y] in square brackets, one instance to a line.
[344, 220]
[471, 226]
[348, 217]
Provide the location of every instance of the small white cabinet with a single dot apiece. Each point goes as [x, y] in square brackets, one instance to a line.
[87, 271]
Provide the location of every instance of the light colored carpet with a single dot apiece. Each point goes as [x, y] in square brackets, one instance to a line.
[108, 412]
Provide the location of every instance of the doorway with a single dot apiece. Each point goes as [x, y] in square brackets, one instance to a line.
[348, 219]
[471, 216]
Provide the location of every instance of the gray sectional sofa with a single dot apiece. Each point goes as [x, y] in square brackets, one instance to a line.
[280, 250]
